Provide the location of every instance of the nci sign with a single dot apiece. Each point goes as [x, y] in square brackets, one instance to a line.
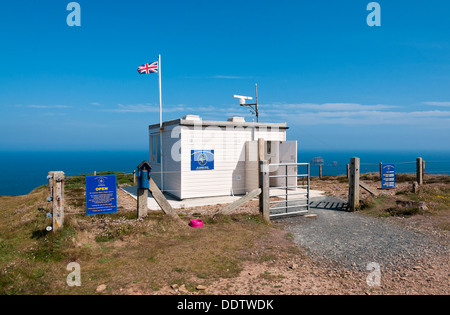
[202, 160]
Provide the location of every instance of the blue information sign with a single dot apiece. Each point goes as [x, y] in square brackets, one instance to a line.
[388, 176]
[202, 160]
[101, 194]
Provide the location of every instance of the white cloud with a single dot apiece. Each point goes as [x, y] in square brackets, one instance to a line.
[44, 106]
[228, 77]
[369, 118]
[443, 104]
[306, 113]
[145, 108]
[352, 114]
[331, 106]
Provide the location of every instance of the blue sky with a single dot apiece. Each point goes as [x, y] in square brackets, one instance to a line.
[337, 82]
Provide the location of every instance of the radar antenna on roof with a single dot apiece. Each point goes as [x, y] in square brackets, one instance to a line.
[253, 107]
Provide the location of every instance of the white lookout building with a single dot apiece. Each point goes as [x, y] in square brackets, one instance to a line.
[215, 158]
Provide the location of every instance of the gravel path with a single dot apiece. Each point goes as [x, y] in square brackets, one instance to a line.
[354, 240]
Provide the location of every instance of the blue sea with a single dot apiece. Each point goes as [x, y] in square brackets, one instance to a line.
[335, 163]
[21, 172]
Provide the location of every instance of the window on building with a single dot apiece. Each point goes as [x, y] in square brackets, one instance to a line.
[269, 147]
[155, 145]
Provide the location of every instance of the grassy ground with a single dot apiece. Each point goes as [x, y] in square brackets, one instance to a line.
[429, 207]
[238, 254]
[115, 249]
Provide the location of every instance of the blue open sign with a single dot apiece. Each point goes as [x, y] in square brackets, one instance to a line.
[101, 194]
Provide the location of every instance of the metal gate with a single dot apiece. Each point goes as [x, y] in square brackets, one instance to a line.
[287, 196]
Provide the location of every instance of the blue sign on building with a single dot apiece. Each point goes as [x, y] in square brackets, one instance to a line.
[101, 194]
[388, 176]
[202, 160]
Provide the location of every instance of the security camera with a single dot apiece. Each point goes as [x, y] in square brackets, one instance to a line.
[242, 99]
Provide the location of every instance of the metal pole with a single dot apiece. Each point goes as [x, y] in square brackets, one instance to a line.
[256, 106]
[287, 192]
[160, 95]
[309, 182]
[161, 125]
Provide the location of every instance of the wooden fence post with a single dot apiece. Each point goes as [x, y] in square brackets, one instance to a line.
[381, 170]
[238, 203]
[420, 171]
[163, 203]
[423, 170]
[142, 203]
[320, 171]
[348, 171]
[56, 187]
[353, 193]
[264, 184]
[261, 149]
[134, 177]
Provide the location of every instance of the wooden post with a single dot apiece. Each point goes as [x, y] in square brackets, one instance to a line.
[353, 193]
[134, 177]
[420, 171]
[261, 149]
[423, 170]
[348, 171]
[320, 171]
[142, 203]
[56, 186]
[415, 187]
[163, 203]
[381, 170]
[95, 173]
[368, 189]
[238, 203]
[264, 184]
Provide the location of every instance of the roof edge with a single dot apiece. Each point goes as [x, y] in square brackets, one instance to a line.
[206, 123]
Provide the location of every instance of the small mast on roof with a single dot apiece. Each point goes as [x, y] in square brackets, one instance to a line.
[253, 107]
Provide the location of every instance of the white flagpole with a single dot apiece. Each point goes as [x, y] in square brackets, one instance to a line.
[160, 95]
[161, 125]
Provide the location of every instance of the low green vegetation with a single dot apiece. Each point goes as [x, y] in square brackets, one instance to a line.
[78, 181]
[117, 249]
[432, 200]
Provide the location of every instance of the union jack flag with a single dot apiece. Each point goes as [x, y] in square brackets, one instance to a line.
[148, 68]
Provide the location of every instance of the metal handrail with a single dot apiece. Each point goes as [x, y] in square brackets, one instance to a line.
[285, 201]
[299, 194]
[290, 164]
[281, 176]
[284, 187]
[287, 188]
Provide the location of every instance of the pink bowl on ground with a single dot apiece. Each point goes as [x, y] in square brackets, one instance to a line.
[196, 224]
